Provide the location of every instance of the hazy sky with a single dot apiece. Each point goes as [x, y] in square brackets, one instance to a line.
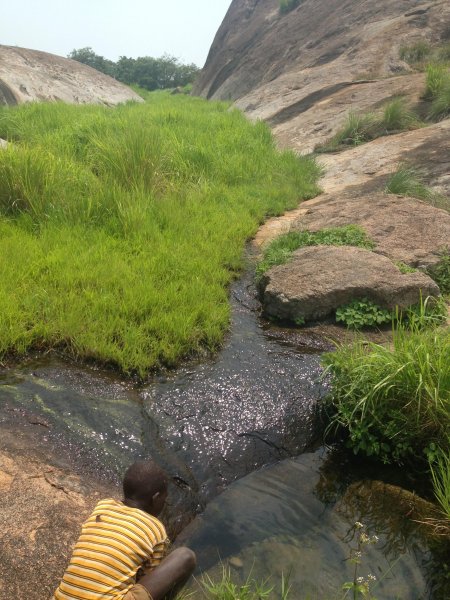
[113, 28]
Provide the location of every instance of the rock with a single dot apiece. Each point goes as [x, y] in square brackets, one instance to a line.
[403, 229]
[30, 76]
[3, 144]
[281, 67]
[320, 279]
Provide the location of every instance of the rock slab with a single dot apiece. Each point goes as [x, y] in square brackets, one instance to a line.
[320, 279]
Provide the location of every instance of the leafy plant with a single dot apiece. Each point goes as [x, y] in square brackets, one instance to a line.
[360, 586]
[362, 313]
[281, 249]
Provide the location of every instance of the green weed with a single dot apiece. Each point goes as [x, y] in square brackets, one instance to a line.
[436, 78]
[120, 229]
[288, 5]
[440, 273]
[362, 313]
[440, 474]
[281, 249]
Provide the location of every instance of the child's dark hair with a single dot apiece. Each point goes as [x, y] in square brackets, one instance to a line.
[142, 480]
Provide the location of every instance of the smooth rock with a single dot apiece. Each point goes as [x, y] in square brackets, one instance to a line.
[320, 279]
[403, 229]
[31, 76]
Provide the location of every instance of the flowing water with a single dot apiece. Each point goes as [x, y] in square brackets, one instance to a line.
[209, 424]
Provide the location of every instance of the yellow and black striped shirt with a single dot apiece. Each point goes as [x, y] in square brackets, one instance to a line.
[114, 543]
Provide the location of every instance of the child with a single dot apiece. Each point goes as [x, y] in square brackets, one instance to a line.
[121, 538]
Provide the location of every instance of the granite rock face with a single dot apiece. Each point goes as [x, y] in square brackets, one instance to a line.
[31, 76]
[302, 71]
[320, 279]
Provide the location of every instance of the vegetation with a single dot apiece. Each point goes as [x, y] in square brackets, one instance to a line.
[120, 229]
[288, 5]
[280, 250]
[440, 473]
[359, 129]
[441, 272]
[437, 90]
[147, 72]
[394, 400]
[409, 181]
[226, 589]
[362, 313]
[415, 53]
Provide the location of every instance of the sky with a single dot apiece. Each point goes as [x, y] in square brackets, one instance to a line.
[113, 28]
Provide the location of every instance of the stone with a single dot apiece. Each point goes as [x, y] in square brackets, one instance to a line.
[3, 144]
[320, 279]
[403, 229]
[34, 76]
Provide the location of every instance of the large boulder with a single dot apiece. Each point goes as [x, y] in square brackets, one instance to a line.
[320, 279]
[403, 229]
[31, 75]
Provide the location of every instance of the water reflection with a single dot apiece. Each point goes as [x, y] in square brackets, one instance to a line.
[282, 520]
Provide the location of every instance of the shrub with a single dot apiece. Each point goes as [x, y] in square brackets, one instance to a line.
[436, 78]
[288, 5]
[281, 249]
[398, 117]
[440, 107]
[393, 401]
[362, 313]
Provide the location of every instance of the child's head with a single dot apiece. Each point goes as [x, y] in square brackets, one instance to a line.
[145, 486]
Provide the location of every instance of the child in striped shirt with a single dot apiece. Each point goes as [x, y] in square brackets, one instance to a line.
[120, 554]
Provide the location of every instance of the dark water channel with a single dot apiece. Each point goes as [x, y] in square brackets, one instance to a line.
[209, 424]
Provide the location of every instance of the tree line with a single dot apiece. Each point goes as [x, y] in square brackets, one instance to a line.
[147, 72]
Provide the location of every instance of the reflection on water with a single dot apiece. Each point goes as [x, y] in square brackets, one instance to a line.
[275, 521]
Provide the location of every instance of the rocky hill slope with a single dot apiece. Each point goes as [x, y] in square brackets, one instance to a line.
[30, 75]
[302, 70]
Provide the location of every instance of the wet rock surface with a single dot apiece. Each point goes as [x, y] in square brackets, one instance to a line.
[317, 280]
[30, 76]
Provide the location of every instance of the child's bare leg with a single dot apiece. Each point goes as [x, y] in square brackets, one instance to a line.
[172, 572]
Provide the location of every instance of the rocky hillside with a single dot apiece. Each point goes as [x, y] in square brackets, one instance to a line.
[30, 75]
[302, 70]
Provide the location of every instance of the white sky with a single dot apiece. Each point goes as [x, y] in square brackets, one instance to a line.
[113, 28]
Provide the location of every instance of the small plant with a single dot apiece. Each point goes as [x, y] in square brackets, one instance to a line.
[362, 313]
[440, 108]
[404, 268]
[288, 5]
[360, 586]
[437, 76]
[398, 117]
[225, 589]
[282, 248]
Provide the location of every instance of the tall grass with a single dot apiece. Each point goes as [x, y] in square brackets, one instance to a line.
[440, 474]
[362, 128]
[394, 401]
[409, 181]
[120, 229]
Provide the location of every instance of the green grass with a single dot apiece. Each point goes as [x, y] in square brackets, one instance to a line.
[120, 229]
[362, 128]
[415, 53]
[440, 474]
[410, 181]
[288, 5]
[394, 401]
[280, 250]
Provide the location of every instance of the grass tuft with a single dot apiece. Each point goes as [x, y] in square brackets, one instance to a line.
[409, 181]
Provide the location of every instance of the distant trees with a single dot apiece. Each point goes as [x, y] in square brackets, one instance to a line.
[148, 72]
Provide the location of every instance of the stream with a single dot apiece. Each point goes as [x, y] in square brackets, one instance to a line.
[212, 423]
